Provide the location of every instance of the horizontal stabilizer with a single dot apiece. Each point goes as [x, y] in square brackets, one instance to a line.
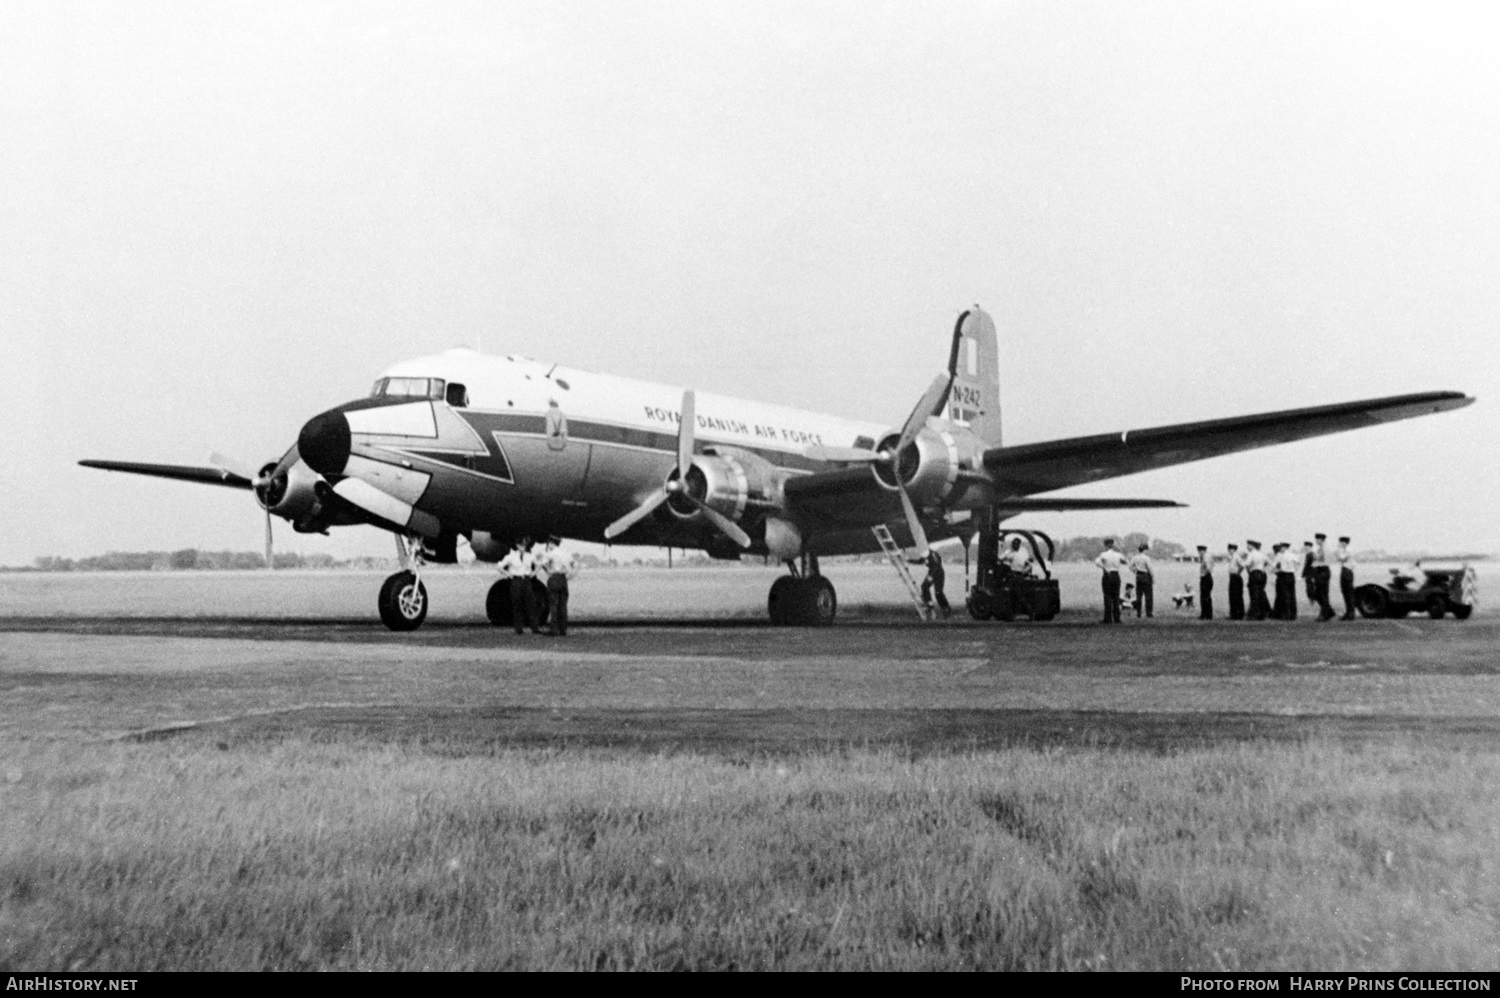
[180, 472]
[1037, 504]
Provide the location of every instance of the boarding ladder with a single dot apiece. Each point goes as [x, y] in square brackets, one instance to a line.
[898, 560]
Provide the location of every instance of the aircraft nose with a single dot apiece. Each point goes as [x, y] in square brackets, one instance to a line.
[324, 443]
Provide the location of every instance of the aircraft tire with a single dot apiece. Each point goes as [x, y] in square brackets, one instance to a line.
[779, 602]
[403, 602]
[818, 602]
[497, 604]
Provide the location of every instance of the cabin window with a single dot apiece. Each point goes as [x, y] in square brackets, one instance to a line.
[867, 443]
[458, 396]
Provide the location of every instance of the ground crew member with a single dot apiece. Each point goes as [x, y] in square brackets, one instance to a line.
[1236, 583]
[519, 567]
[1346, 576]
[1141, 566]
[1205, 583]
[932, 585]
[1017, 559]
[1255, 572]
[1322, 575]
[1288, 562]
[558, 568]
[1110, 563]
[1309, 583]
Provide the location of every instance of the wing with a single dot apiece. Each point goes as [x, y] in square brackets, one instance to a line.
[181, 472]
[1056, 464]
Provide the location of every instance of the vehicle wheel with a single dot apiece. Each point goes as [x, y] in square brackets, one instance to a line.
[403, 602]
[497, 604]
[819, 603]
[1461, 611]
[1437, 606]
[1372, 601]
[981, 604]
[779, 603]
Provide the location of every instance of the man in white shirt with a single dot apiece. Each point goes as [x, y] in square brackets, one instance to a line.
[1017, 559]
[1256, 563]
[558, 568]
[518, 566]
[1322, 576]
[1236, 583]
[1345, 562]
[1287, 563]
[1140, 564]
[1110, 563]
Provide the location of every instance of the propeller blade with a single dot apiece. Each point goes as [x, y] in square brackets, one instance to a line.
[685, 433]
[918, 535]
[630, 519]
[930, 404]
[726, 526]
[270, 560]
[848, 455]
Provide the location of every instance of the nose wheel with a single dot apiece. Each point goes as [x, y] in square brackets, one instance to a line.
[403, 598]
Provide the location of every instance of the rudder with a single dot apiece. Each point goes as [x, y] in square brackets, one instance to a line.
[974, 363]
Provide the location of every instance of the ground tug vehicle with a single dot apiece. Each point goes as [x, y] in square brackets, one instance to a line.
[1440, 591]
[1000, 594]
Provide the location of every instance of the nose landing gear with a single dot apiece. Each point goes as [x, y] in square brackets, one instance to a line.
[804, 598]
[403, 598]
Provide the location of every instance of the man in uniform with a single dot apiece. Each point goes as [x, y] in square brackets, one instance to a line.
[1288, 563]
[1110, 563]
[1205, 583]
[1017, 559]
[1255, 572]
[932, 585]
[1140, 564]
[519, 567]
[1236, 583]
[1322, 576]
[558, 568]
[1346, 576]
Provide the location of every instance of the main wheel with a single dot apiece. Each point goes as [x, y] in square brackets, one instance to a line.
[497, 604]
[403, 602]
[819, 603]
[1437, 606]
[779, 602]
[1372, 601]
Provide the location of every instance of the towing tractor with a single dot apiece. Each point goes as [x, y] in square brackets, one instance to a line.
[1439, 591]
[998, 593]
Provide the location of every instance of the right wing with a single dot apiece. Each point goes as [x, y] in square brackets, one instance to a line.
[1057, 464]
[180, 472]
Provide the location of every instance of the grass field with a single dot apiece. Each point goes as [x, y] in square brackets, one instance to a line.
[183, 787]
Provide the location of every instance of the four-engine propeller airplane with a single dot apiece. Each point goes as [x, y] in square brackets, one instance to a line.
[494, 447]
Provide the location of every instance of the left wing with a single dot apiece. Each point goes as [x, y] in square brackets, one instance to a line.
[180, 472]
[1057, 464]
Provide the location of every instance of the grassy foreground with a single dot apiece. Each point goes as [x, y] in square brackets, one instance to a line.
[300, 855]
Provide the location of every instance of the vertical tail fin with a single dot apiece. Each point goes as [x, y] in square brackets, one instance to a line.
[974, 363]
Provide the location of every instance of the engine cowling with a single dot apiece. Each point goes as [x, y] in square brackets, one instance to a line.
[731, 481]
[290, 494]
[928, 467]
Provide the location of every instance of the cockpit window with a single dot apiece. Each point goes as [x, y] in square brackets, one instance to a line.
[422, 388]
[458, 396]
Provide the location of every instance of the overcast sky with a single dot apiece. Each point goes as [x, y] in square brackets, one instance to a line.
[217, 220]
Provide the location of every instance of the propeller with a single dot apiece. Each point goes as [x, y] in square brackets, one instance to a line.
[269, 488]
[677, 487]
[930, 404]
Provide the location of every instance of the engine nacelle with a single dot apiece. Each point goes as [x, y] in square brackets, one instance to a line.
[928, 467]
[487, 547]
[731, 481]
[292, 494]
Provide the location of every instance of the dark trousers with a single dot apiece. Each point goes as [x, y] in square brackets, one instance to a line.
[1111, 584]
[557, 603]
[1236, 596]
[522, 605]
[1143, 596]
[1206, 597]
[933, 587]
[1322, 575]
[1310, 581]
[1346, 589]
[1258, 606]
[1286, 596]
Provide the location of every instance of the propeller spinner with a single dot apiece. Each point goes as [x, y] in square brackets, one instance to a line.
[679, 487]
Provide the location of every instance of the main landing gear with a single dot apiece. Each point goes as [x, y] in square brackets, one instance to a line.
[804, 598]
[403, 598]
